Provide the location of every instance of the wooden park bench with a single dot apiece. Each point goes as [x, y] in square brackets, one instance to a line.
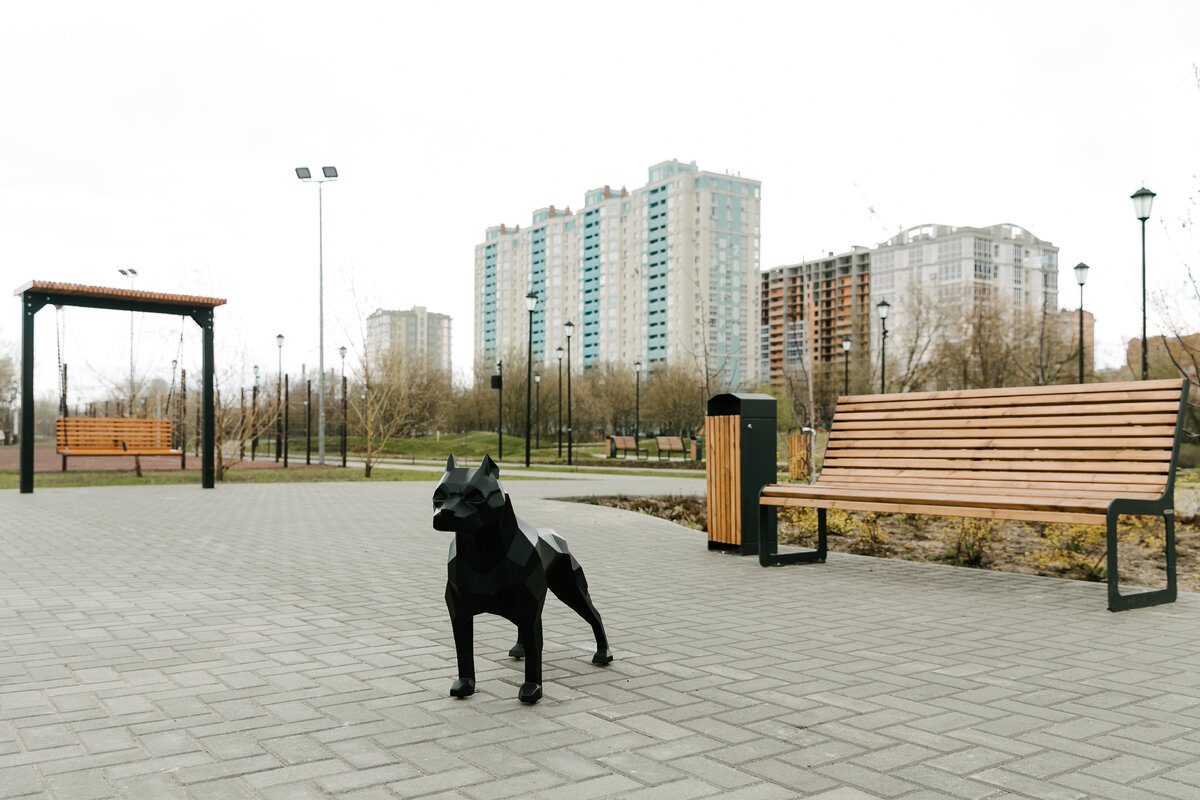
[671, 444]
[1071, 454]
[108, 436]
[625, 444]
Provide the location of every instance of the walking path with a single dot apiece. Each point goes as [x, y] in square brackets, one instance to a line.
[291, 641]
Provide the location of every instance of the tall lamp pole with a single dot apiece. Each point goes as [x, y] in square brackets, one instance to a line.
[1081, 271]
[637, 402]
[558, 351]
[531, 301]
[883, 307]
[330, 174]
[1143, 199]
[500, 409]
[570, 328]
[131, 273]
[846, 345]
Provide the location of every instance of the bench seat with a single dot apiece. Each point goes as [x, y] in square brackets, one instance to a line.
[113, 436]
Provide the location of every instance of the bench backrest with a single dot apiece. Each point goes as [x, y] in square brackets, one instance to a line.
[623, 442]
[670, 443]
[1110, 435]
[113, 433]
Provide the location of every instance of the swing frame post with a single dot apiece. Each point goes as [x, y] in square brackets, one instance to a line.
[35, 295]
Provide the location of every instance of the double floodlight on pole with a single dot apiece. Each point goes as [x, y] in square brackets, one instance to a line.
[130, 273]
[1143, 199]
[330, 174]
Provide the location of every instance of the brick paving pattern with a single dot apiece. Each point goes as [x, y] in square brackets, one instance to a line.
[288, 642]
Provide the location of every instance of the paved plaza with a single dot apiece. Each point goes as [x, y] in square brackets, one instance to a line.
[291, 642]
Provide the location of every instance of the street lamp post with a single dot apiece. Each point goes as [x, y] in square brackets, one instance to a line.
[254, 416]
[570, 328]
[883, 307]
[637, 402]
[846, 345]
[131, 273]
[330, 174]
[531, 301]
[499, 383]
[1081, 271]
[558, 351]
[342, 353]
[1143, 199]
[537, 427]
[279, 401]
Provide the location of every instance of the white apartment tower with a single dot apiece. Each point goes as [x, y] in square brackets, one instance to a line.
[419, 333]
[666, 273]
[949, 266]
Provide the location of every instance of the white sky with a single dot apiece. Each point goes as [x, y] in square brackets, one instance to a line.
[146, 135]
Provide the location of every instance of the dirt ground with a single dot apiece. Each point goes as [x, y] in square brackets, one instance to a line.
[1063, 551]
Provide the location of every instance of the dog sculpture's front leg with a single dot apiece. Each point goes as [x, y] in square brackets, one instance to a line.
[463, 623]
[529, 634]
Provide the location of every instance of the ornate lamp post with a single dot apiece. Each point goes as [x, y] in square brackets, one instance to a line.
[570, 328]
[1143, 199]
[342, 353]
[531, 301]
[558, 351]
[254, 416]
[499, 383]
[637, 402]
[279, 401]
[537, 428]
[882, 307]
[1081, 271]
[846, 345]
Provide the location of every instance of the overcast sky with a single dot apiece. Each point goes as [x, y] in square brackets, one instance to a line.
[165, 139]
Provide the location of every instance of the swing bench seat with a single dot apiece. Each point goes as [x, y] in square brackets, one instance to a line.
[109, 436]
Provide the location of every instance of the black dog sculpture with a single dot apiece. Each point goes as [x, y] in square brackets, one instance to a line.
[500, 564]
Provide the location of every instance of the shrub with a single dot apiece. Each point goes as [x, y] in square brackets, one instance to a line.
[968, 544]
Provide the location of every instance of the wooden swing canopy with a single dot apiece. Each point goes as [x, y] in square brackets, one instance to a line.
[35, 295]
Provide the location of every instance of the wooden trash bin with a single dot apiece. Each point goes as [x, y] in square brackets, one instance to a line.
[740, 443]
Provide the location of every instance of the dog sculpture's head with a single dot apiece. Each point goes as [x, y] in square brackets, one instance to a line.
[468, 499]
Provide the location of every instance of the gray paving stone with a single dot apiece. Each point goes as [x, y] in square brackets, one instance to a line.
[291, 641]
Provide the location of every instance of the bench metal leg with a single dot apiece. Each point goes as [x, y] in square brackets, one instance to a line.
[768, 541]
[1154, 597]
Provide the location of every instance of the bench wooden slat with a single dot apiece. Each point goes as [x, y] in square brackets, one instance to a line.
[1001, 484]
[999, 465]
[1043, 391]
[916, 475]
[928, 432]
[945, 511]
[1082, 402]
[1116, 413]
[967, 496]
[996, 453]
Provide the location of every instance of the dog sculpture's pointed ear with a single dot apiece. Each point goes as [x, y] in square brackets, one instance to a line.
[489, 467]
[450, 463]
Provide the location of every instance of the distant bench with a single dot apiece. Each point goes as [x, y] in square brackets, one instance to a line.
[670, 444]
[1073, 454]
[108, 436]
[627, 443]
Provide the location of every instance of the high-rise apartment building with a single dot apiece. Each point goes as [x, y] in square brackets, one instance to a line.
[666, 273]
[420, 334]
[809, 309]
[953, 266]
